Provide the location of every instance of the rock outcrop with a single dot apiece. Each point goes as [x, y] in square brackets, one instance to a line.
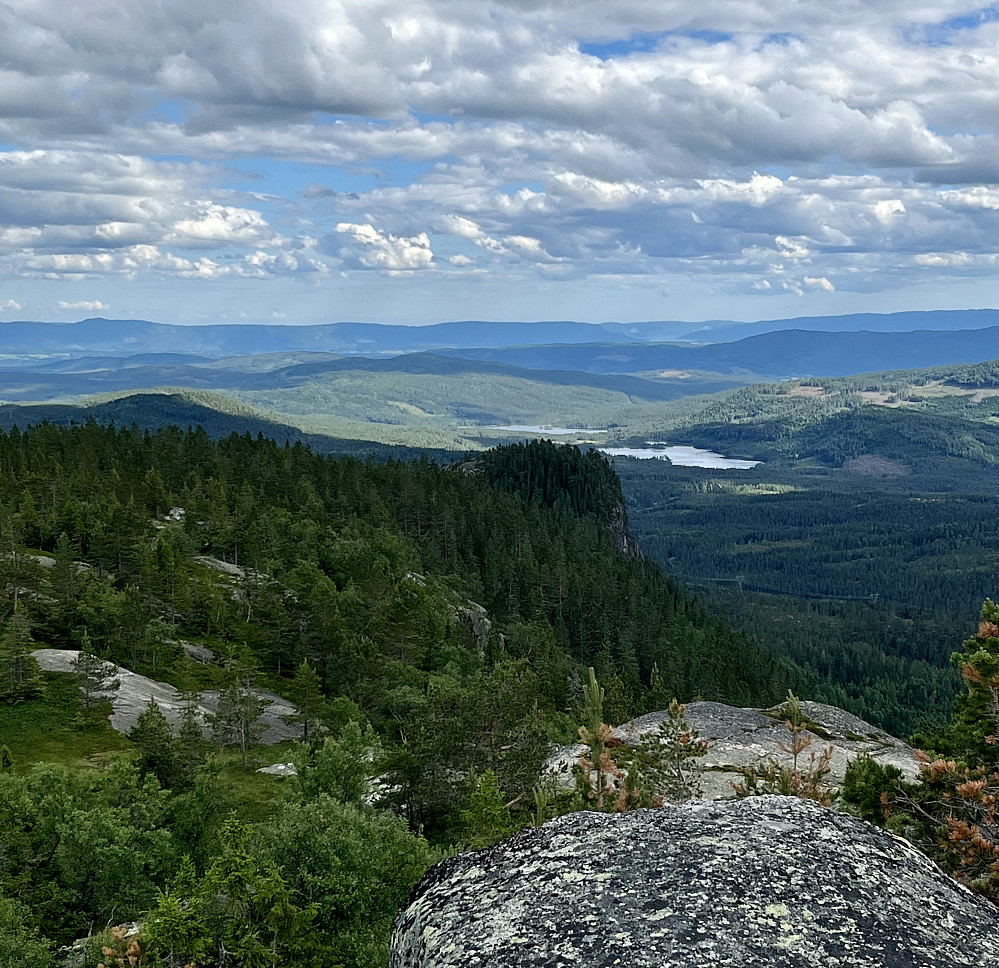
[740, 738]
[132, 696]
[765, 882]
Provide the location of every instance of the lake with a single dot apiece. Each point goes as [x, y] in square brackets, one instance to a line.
[553, 431]
[681, 456]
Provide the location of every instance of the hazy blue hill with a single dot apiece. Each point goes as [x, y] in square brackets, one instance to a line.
[131, 336]
[777, 355]
[468, 333]
[267, 362]
[718, 330]
[84, 364]
[38, 385]
[128, 337]
[66, 379]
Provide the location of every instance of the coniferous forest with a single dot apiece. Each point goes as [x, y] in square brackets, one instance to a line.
[432, 624]
[438, 628]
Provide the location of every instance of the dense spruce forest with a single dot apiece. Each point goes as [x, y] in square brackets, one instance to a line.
[865, 581]
[367, 545]
[433, 625]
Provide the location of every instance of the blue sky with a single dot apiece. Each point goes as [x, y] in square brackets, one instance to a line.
[514, 159]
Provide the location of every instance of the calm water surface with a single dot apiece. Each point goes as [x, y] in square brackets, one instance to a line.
[681, 456]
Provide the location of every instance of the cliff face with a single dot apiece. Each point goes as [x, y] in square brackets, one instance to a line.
[765, 882]
[625, 543]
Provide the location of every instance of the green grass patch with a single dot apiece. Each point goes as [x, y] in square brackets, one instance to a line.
[254, 794]
[51, 727]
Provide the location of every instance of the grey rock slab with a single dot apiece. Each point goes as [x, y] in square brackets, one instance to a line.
[200, 653]
[280, 769]
[765, 882]
[740, 738]
[224, 567]
[130, 700]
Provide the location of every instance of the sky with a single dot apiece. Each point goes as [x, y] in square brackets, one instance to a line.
[195, 161]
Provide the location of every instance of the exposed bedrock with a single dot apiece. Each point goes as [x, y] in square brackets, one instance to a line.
[773, 882]
[739, 739]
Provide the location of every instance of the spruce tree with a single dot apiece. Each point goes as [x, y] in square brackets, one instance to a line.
[307, 695]
[94, 676]
[156, 745]
[19, 674]
[486, 817]
[190, 745]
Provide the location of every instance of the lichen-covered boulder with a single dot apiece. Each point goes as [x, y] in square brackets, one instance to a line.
[773, 882]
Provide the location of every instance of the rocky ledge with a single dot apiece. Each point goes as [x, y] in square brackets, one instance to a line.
[739, 738]
[766, 882]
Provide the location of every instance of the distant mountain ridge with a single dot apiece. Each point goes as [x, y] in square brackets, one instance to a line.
[128, 337]
[647, 371]
[775, 355]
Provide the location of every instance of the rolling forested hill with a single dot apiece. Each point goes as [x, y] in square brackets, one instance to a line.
[218, 416]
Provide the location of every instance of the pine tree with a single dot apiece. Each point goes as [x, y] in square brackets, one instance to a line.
[976, 715]
[160, 650]
[19, 673]
[307, 695]
[665, 767]
[237, 720]
[800, 779]
[598, 772]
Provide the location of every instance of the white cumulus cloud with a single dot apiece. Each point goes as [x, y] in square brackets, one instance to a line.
[88, 305]
[819, 282]
[373, 249]
[551, 140]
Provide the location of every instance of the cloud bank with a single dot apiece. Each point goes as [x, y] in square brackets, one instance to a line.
[420, 159]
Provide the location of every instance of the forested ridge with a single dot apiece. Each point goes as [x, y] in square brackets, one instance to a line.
[546, 567]
[432, 623]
